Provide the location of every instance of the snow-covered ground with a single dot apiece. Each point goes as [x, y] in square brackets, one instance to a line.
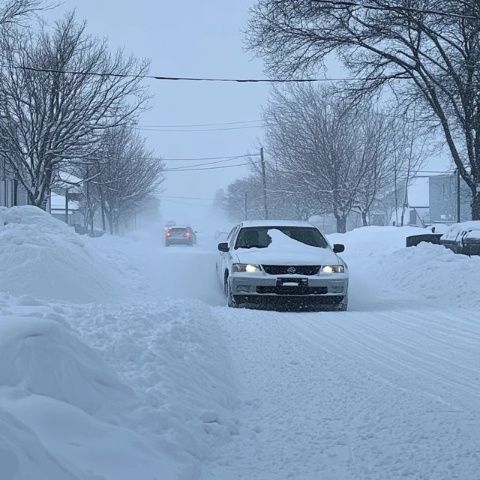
[121, 361]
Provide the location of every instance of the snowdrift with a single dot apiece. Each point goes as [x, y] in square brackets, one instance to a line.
[173, 355]
[44, 358]
[23, 456]
[426, 272]
[435, 273]
[43, 257]
[62, 410]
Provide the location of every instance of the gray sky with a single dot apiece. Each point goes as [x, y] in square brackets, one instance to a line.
[187, 38]
[200, 39]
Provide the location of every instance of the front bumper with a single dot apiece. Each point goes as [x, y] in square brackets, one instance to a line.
[327, 290]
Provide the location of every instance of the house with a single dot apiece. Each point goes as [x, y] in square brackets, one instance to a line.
[66, 213]
[12, 193]
[444, 195]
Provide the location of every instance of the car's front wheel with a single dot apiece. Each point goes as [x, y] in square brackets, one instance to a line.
[343, 306]
[228, 293]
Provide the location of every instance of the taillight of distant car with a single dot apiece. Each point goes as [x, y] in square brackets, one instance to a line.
[187, 234]
[168, 232]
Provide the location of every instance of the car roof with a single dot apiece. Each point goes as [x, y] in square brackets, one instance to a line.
[179, 226]
[276, 223]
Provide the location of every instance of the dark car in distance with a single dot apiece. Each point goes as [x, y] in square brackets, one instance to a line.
[180, 235]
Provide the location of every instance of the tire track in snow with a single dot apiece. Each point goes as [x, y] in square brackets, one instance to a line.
[340, 396]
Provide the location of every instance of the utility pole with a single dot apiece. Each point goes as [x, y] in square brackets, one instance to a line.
[264, 181]
[66, 206]
[245, 206]
[458, 196]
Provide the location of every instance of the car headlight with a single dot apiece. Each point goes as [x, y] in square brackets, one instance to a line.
[245, 267]
[332, 269]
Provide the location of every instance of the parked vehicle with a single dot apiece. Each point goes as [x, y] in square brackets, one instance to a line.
[180, 235]
[282, 264]
[463, 238]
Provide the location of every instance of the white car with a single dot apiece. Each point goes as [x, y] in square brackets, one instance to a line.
[282, 264]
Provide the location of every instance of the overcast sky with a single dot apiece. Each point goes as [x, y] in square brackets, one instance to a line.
[200, 39]
[188, 38]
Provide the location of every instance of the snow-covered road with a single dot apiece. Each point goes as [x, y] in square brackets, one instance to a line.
[131, 342]
[388, 390]
[357, 395]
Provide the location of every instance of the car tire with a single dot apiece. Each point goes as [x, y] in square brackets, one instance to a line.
[228, 293]
[343, 306]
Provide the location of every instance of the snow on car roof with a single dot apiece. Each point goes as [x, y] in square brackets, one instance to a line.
[456, 228]
[276, 223]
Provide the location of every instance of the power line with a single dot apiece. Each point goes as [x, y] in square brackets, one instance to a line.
[148, 129]
[199, 79]
[341, 4]
[205, 168]
[196, 159]
[239, 122]
[206, 164]
[181, 197]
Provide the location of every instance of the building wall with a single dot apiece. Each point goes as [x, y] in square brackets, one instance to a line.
[7, 196]
[443, 199]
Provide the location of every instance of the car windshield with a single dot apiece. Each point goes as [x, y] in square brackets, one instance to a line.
[257, 237]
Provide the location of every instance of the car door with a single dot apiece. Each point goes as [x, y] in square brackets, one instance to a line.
[222, 258]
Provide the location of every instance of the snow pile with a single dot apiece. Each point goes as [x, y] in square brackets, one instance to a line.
[434, 273]
[172, 354]
[367, 241]
[427, 272]
[62, 410]
[43, 257]
[473, 227]
[45, 359]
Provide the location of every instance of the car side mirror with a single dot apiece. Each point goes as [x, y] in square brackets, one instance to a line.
[223, 247]
[338, 248]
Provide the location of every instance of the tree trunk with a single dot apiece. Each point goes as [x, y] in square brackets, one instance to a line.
[365, 219]
[341, 223]
[476, 206]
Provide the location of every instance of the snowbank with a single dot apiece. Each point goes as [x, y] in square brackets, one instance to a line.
[173, 355]
[42, 257]
[62, 410]
[46, 359]
[366, 241]
[426, 274]
[435, 274]
[23, 456]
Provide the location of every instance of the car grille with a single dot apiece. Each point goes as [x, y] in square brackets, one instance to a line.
[291, 269]
[300, 290]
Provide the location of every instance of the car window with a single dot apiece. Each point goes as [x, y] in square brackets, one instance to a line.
[233, 235]
[257, 237]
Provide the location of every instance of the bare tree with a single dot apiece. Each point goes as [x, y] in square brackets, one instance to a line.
[59, 90]
[428, 51]
[124, 175]
[14, 12]
[315, 139]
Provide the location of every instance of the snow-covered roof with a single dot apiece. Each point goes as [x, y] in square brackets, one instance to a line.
[68, 181]
[57, 202]
[275, 223]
